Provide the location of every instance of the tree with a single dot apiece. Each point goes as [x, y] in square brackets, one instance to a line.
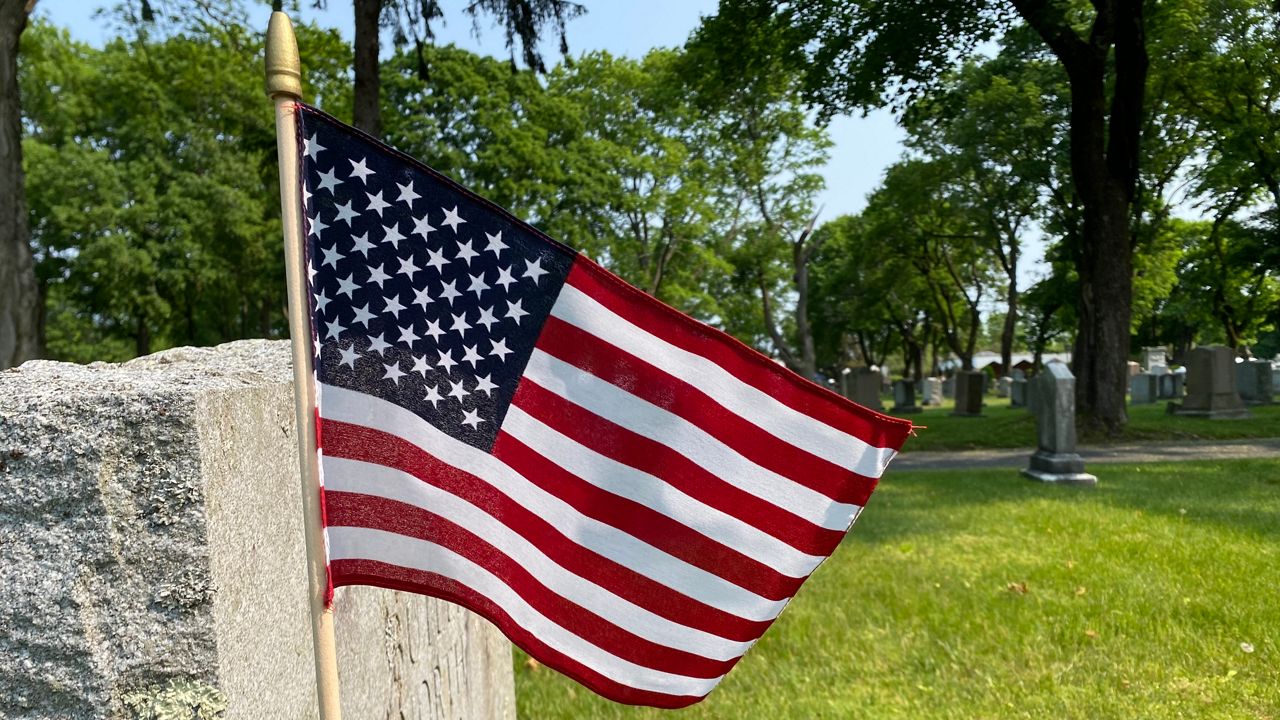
[19, 299]
[875, 51]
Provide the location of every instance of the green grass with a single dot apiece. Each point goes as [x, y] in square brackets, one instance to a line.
[983, 595]
[1002, 426]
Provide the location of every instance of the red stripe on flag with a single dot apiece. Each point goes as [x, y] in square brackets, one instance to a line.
[395, 577]
[645, 523]
[368, 511]
[646, 381]
[746, 364]
[630, 448]
[355, 442]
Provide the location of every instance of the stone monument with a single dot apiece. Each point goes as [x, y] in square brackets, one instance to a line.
[151, 528]
[904, 397]
[932, 391]
[949, 387]
[1211, 385]
[1018, 393]
[1143, 389]
[866, 388]
[1253, 382]
[1003, 385]
[1170, 385]
[1153, 357]
[968, 393]
[1056, 459]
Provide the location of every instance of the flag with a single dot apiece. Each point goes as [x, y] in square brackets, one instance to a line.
[630, 495]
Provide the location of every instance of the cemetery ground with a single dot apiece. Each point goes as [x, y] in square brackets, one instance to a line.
[980, 594]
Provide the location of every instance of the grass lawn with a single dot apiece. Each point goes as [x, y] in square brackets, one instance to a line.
[1002, 426]
[983, 595]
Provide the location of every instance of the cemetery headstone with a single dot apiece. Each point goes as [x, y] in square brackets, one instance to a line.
[904, 397]
[1134, 368]
[1154, 356]
[1056, 459]
[1142, 389]
[1018, 374]
[1018, 392]
[969, 393]
[866, 388]
[1211, 385]
[1253, 382]
[1170, 385]
[949, 387]
[1003, 385]
[932, 391]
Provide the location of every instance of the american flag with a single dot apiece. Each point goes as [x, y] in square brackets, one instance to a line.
[630, 495]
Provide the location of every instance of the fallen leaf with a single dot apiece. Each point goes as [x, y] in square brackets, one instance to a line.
[532, 664]
[1017, 587]
[1080, 590]
[1092, 635]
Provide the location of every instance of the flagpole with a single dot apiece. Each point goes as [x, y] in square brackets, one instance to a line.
[284, 86]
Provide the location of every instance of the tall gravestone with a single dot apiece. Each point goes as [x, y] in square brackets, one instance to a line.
[1211, 385]
[1143, 389]
[932, 394]
[1018, 393]
[866, 388]
[1003, 385]
[904, 397]
[1056, 459]
[1171, 385]
[1253, 382]
[969, 384]
[949, 387]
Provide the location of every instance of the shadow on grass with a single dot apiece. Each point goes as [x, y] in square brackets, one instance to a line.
[1240, 495]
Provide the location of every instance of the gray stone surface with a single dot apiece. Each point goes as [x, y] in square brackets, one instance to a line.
[865, 388]
[949, 387]
[1003, 386]
[1143, 389]
[1056, 458]
[151, 531]
[932, 393]
[1153, 357]
[969, 387]
[904, 397]
[1171, 385]
[1018, 393]
[1253, 382]
[1211, 385]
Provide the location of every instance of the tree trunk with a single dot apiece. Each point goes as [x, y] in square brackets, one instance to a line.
[19, 292]
[365, 109]
[1010, 327]
[804, 333]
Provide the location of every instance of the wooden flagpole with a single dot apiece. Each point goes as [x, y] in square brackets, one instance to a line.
[284, 86]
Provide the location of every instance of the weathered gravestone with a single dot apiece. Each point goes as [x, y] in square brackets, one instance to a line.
[969, 393]
[1056, 459]
[1143, 389]
[904, 397]
[866, 388]
[949, 387]
[1018, 393]
[1253, 382]
[1170, 385]
[1153, 357]
[1002, 386]
[1134, 368]
[932, 391]
[1211, 385]
[150, 525]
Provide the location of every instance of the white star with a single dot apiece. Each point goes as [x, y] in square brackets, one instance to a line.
[321, 301]
[332, 328]
[378, 275]
[393, 305]
[311, 148]
[433, 329]
[465, 252]
[360, 170]
[450, 291]
[328, 181]
[317, 226]
[363, 316]
[504, 278]
[346, 214]
[472, 418]
[407, 195]
[420, 365]
[457, 390]
[311, 274]
[331, 257]
[437, 260]
[421, 227]
[500, 349]
[470, 355]
[446, 361]
[487, 319]
[485, 385]
[460, 323]
[345, 286]
[533, 270]
[376, 203]
[377, 344]
[348, 356]
[407, 267]
[392, 235]
[393, 372]
[422, 297]
[306, 197]
[495, 245]
[515, 310]
[363, 246]
[478, 285]
[433, 396]
[452, 219]
[407, 336]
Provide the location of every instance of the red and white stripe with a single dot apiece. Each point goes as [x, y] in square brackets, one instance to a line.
[655, 497]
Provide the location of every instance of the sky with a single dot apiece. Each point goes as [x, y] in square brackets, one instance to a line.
[864, 147]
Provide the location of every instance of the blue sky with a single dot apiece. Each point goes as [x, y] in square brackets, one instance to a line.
[863, 146]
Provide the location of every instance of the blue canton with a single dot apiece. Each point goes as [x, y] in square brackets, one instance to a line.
[423, 294]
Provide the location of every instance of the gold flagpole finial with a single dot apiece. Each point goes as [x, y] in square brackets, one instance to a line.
[284, 69]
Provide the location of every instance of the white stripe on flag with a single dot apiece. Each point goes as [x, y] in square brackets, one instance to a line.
[370, 479]
[807, 433]
[665, 428]
[353, 543]
[357, 408]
